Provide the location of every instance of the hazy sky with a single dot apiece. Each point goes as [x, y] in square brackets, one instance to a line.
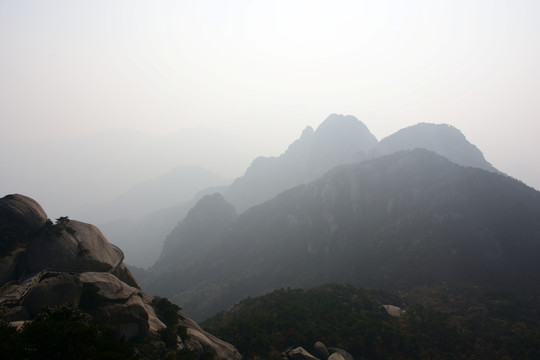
[267, 69]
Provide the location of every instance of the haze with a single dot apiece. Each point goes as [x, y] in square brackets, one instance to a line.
[221, 82]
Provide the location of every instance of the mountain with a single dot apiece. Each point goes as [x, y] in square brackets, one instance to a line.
[176, 186]
[77, 174]
[338, 140]
[407, 219]
[201, 229]
[142, 238]
[443, 139]
[68, 272]
[343, 139]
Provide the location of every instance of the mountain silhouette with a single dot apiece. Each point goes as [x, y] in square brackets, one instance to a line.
[338, 140]
[443, 139]
[402, 220]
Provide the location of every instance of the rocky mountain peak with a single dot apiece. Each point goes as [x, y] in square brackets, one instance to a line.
[211, 209]
[307, 132]
[443, 139]
[342, 127]
[340, 139]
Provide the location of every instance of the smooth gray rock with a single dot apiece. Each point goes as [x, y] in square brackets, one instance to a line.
[21, 212]
[57, 290]
[86, 249]
[124, 274]
[320, 350]
[127, 310]
[299, 353]
[207, 345]
[393, 310]
[341, 352]
[336, 356]
[51, 271]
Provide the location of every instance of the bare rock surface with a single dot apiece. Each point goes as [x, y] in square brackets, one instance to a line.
[344, 354]
[56, 290]
[84, 248]
[208, 345]
[21, 212]
[336, 356]
[48, 265]
[393, 310]
[320, 350]
[299, 353]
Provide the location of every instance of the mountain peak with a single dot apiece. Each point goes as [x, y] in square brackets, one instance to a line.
[307, 132]
[443, 139]
[339, 139]
[342, 127]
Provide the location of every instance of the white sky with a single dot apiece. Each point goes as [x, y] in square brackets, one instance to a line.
[267, 69]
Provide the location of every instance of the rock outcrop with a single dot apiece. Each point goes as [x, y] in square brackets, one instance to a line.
[299, 353]
[207, 345]
[21, 212]
[82, 248]
[320, 352]
[45, 265]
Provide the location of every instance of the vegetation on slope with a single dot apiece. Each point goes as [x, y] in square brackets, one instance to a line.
[63, 332]
[68, 332]
[439, 322]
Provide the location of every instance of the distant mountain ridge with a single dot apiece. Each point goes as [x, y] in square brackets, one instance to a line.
[406, 219]
[343, 139]
[443, 139]
[73, 175]
[142, 238]
[180, 184]
[339, 139]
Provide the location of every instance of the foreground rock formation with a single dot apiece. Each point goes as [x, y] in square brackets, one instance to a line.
[70, 262]
[320, 352]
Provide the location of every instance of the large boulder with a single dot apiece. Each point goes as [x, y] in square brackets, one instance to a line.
[126, 310]
[21, 212]
[299, 353]
[336, 356]
[207, 345]
[393, 310]
[20, 219]
[124, 274]
[344, 354]
[320, 350]
[59, 289]
[80, 247]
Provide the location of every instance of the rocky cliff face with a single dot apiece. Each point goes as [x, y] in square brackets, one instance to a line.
[44, 264]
